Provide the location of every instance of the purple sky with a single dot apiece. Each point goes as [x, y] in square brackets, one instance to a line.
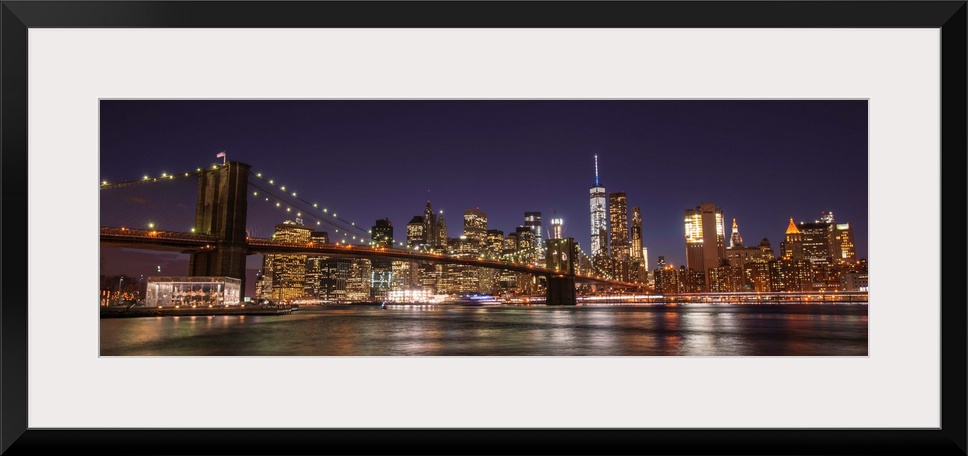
[761, 161]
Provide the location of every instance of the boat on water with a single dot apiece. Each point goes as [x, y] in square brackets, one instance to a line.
[478, 300]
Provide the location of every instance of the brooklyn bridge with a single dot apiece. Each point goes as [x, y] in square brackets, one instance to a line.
[219, 241]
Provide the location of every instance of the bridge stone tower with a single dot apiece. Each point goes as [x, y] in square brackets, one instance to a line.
[561, 255]
[221, 211]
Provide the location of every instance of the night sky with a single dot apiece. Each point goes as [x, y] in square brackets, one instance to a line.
[762, 162]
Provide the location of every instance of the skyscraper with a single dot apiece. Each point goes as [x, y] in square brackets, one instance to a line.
[314, 268]
[735, 240]
[287, 273]
[766, 250]
[843, 244]
[334, 274]
[817, 239]
[557, 228]
[619, 225]
[533, 220]
[792, 246]
[359, 280]
[527, 245]
[599, 220]
[639, 266]
[441, 232]
[510, 247]
[637, 252]
[416, 234]
[705, 238]
[494, 244]
[381, 268]
[382, 233]
[619, 236]
[430, 226]
[475, 226]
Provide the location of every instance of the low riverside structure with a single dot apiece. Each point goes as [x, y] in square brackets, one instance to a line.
[193, 292]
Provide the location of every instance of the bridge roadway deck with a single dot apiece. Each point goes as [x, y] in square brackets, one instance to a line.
[191, 243]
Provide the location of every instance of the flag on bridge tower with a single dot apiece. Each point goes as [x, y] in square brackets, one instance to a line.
[222, 156]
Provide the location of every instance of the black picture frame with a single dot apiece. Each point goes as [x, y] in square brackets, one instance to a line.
[17, 16]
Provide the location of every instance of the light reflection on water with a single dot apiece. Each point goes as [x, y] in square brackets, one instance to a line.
[653, 330]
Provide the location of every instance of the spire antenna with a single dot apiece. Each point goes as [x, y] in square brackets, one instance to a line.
[596, 170]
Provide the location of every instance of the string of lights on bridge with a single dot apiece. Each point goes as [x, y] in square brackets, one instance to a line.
[270, 194]
[594, 266]
[164, 176]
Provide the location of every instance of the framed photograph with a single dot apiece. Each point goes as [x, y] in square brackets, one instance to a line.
[489, 330]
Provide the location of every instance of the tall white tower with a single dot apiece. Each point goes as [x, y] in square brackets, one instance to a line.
[599, 217]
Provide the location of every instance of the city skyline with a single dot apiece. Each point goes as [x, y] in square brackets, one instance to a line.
[373, 160]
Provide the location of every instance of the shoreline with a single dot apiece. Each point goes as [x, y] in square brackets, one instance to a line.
[135, 312]
[140, 312]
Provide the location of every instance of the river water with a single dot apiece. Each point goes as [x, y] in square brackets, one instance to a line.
[599, 330]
